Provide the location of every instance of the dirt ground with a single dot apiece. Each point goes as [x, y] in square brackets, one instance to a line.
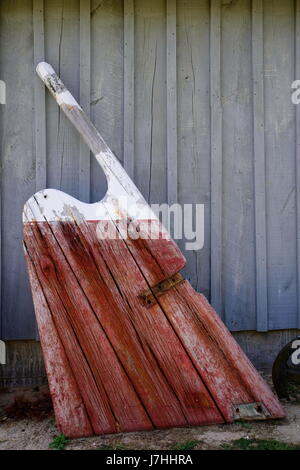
[24, 426]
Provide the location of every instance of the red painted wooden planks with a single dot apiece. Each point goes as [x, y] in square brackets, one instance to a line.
[119, 401]
[248, 375]
[225, 378]
[160, 395]
[226, 370]
[97, 407]
[155, 332]
[157, 396]
[71, 415]
[136, 368]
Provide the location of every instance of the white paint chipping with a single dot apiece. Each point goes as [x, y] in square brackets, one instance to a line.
[54, 205]
[122, 200]
[45, 71]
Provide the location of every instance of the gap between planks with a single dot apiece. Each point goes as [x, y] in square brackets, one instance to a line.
[259, 167]
[129, 48]
[85, 96]
[216, 157]
[172, 171]
[297, 156]
[39, 103]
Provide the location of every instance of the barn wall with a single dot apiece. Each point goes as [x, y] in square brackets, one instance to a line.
[194, 97]
[25, 366]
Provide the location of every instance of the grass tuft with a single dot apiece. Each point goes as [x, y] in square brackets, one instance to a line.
[259, 444]
[188, 445]
[112, 447]
[59, 442]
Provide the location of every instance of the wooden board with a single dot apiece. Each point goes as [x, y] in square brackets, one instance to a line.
[136, 368]
[194, 167]
[281, 181]
[18, 165]
[238, 243]
[213, 29]
[130, 365]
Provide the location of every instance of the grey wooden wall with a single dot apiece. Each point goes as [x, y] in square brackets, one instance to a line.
[193, 96]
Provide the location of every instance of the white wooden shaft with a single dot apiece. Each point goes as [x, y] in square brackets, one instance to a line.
[118, 181]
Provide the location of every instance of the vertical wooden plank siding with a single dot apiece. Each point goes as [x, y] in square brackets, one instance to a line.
[107, 82]
[39, 96]
[85, 95]
[259, 166]
[39, 101]
[216, 156]
[297, 156]
[193, 124]
[62, 50]
[171, 103]
[280, 151]
[18, 163]
[150, 100]
[238, 247]
[129, 87]
[194, 98]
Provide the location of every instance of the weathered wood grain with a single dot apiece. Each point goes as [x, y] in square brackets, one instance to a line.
[113, 313]
[96, 403]
[238, 245]
[280, 150]
[216, 231]
[155, 333]
[228, 374]
[62, 49]
[259, 166]
[70, 411]
[139, 367]
[193, 119]
[85, 96]
[248, 376]
[39, 99]
[39, 96]
[229, 377]
[297, 123]
[109, 376]
[181, 369]
[107, 81]
[17, 164]
[150, 100]
[62, 46]
[129, 87]
[172, 177]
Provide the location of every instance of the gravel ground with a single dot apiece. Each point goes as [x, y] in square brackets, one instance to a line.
[37, 431]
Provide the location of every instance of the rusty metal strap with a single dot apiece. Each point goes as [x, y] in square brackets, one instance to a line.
[149, 296]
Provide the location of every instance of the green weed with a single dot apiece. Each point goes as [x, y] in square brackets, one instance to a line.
[259, 444]
[188, 445]
[59, 442]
